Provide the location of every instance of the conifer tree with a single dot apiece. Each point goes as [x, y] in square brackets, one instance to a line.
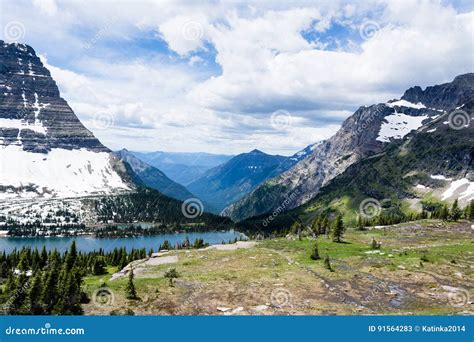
[455, 211]
[469, 211]
[171, 274]
[130, 290]
[34, 295]
[444, 213]
[338, 229]
[99, 266]
[325, 226]
[315, 253]
[327, 263]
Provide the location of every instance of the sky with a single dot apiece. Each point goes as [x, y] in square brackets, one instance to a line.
[232, 76]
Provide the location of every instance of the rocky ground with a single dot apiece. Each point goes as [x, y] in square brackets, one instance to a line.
[421, 268]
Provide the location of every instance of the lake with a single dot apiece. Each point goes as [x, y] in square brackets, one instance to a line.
[90, 243]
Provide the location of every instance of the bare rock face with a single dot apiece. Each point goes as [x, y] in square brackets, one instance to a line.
[45, 151]
[363, 134]
[32, 113]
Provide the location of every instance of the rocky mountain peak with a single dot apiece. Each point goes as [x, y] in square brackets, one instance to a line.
[445, 96]
[45, 151]
[32, 113]
[363, 134]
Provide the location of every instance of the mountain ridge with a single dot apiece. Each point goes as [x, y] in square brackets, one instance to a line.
[364, 133]
[153, 177]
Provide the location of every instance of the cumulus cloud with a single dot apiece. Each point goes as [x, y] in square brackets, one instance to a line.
[207, 76]
[267, 68]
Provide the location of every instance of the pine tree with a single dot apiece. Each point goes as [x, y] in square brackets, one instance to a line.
[325, 226]
[360, 224]
[338, 229]
[10, 286]
[71, 256]
[327, 263]
[49, 294]
[455, 211]
[43, 257]
[165, 246]
[99, 266]
[130, 291]
[315, 225]
[444, 213]
[315, 253]
[19, 296]
[469, 211]
[123, 261]
[171, 274]
[34, 295]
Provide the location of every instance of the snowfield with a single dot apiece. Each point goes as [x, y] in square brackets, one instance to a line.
[404, 103]
[462, 189]
[397, 125]
[60, 173]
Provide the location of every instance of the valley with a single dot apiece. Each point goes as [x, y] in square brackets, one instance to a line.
[376, 219]
[423, 268]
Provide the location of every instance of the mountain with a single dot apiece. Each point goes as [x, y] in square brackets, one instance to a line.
[46, 152]
[154, 178]
[226, 183]
[55, 172]
[183, 167]
[366, 133]
[422, 171]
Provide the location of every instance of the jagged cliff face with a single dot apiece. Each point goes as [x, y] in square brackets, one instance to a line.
[32, 113]
[45, 151]
[363, 134]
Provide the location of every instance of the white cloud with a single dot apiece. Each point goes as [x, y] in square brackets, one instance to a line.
[266, 66]
[46, 6]
[172, 101]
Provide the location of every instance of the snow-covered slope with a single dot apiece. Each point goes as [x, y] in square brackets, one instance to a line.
[58, 173]
[45, 151]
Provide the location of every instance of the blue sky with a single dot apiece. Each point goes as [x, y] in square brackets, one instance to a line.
[228, 77]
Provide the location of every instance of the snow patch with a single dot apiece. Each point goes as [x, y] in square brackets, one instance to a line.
[421, 186]
[440, 177]
[397, 125]
[456, 187]
[404, 103]
[60, 173]
[37, 126]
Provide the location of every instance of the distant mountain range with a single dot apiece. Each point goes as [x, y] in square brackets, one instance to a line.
[227, 183]
[182, 167]
[154, 178]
